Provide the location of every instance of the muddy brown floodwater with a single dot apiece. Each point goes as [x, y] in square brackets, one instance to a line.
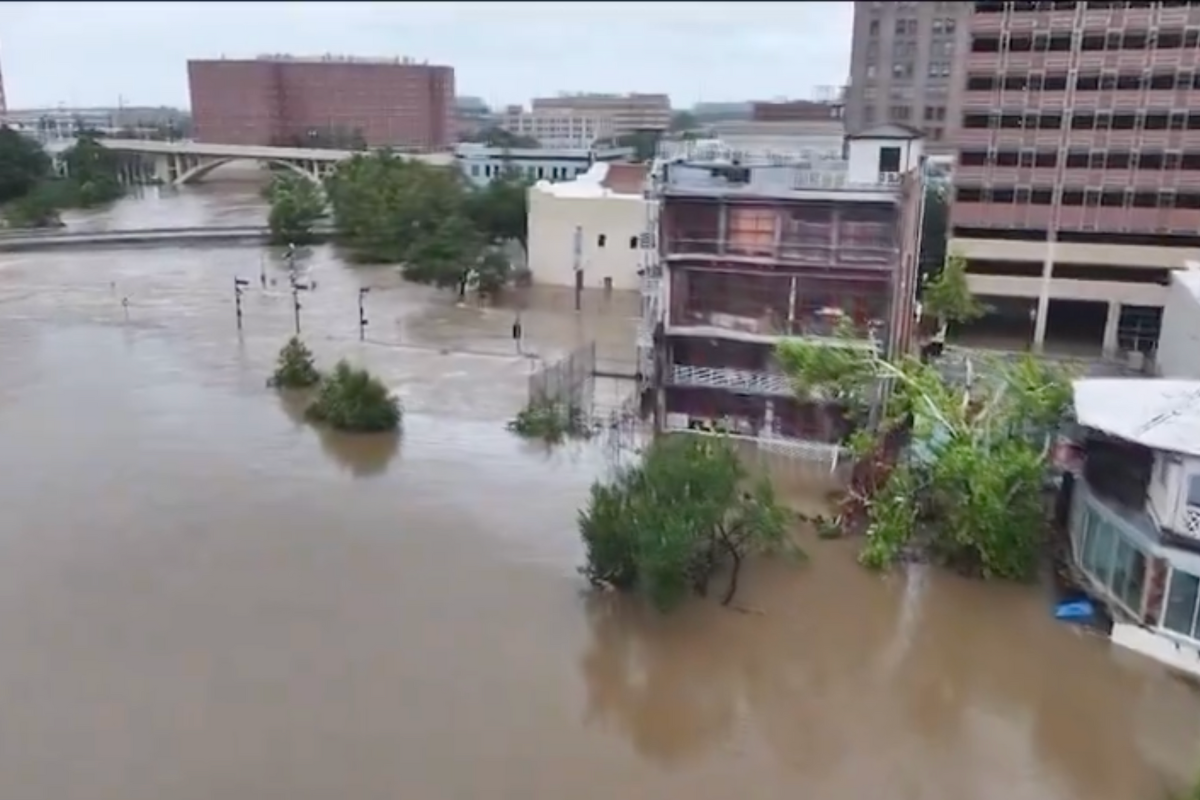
[203, 597]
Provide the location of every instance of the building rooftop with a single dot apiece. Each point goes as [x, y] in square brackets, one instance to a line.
[1156, 413]
[601, 180]
[888, 131]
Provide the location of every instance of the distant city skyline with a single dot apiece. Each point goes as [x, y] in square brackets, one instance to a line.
[137, 54]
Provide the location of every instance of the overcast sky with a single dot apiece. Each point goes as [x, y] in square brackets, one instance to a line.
[88, 54]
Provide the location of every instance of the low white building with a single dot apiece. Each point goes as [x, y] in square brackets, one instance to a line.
[481, 164]
[1135, 511]
[1178, 352]
[591, 229]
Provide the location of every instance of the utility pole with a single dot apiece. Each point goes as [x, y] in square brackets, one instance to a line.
[297, 288]
[577, 263]
[238, 285]
[362, 314]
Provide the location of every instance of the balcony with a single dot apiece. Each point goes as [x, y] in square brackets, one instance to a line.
[875, 256]
[768, 384]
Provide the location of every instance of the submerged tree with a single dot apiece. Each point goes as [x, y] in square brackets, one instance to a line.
[967, 488]
[665, 527]
[297, 205]
[393, 210]
[351, 399]
[93, 171]
[295, 368]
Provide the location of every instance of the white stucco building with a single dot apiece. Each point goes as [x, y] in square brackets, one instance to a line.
[1178, 353]
[1135, 511]
[591, 229]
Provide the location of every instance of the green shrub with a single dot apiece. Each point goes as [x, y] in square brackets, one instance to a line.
[549, 421]
[351, 399]
[295, 368]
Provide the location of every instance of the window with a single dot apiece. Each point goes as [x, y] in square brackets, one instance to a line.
[601, 240]
[889, 159]
[1111, 560]
[1182, 594]
[633, 243]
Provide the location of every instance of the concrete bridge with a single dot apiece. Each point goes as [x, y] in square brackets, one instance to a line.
[180, 163]
[60, 238]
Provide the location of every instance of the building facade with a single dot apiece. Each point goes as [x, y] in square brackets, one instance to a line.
[629, 113]
[332, 101]
[1077, 182]
[481, 163]
[590, 231]
[902, 65]
[753, 250]
[558, 128]
[1134, 511]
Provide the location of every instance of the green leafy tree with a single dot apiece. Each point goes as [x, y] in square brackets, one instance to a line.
[295, 368]
[948, 297]
[968, 490]
[23, 165]
[297, 204]
[93, 171]
[665, 527]
[644, 143]
[387, 209]
[38, 208]
[351, 399]
[500, 210]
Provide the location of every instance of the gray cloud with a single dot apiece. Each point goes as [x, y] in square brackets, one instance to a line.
[91, 53]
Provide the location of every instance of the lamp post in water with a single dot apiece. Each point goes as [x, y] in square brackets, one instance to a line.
[238, 285]
[297, 288]
[577, 262]
[363, 291]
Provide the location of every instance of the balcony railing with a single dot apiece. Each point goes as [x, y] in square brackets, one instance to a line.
[734, 380]
[808, 324]
[848, 254]
[1191, 521]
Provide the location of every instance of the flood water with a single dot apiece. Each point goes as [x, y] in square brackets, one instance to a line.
[201, 596]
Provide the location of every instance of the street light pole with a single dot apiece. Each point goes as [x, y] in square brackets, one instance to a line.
[362, 314]
[297, 288]
[238, 285]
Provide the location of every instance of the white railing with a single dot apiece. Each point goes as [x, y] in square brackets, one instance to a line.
[1191, 521]
[821, 453]
[737, 380]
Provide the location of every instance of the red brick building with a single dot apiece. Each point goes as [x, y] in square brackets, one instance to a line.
[332, 101]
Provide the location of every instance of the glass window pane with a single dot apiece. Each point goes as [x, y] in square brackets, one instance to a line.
[1120, 572]
[1135, 570]
[1193, 495]
[1181, 602]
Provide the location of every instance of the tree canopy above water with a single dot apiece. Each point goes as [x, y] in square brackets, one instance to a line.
[393, 210]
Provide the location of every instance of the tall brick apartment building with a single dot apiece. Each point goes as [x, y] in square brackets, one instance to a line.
[1077, 185]
[335, 100]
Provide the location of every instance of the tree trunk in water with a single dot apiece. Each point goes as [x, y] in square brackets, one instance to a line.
[733, 576]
